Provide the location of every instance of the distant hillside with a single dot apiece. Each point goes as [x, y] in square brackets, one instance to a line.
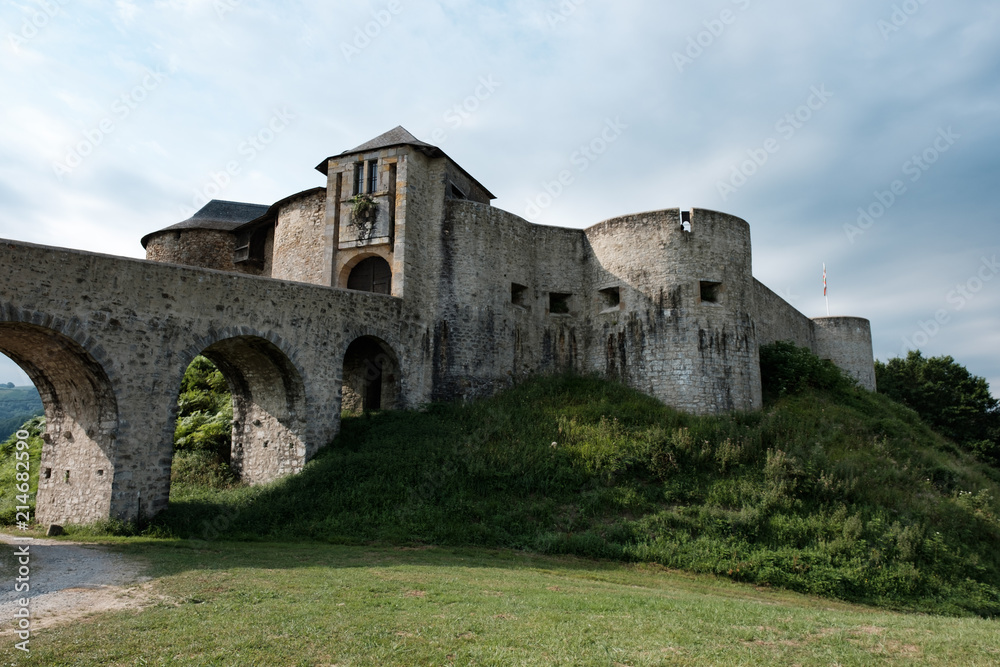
[838, 493]
[17, 406]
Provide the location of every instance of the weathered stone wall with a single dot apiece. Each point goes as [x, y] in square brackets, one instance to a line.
[205, 248]
[665, 339]
[847, 342]
[777, 320]
[299, 241]
[280, 344]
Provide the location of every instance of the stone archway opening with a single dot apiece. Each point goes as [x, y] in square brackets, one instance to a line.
[371, 274]
[268, 408]
[371, 376]
[76, 472]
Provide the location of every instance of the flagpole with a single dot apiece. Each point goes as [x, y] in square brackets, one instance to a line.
[825, 295]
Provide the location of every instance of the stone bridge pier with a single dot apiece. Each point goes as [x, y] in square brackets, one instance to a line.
[106, 340]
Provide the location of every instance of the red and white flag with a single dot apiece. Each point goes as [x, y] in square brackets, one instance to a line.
[824, 279]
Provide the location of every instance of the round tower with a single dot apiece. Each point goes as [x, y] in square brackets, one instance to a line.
[205, 239]
[847, 342]
[684, 331]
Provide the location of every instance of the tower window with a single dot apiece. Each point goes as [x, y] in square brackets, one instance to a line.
[611, 298]
[519, 295]
[559, 303]
[372, 176]
[359, 173]
[710, 291]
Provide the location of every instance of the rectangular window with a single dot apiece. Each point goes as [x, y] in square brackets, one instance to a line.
[372, 176]
[611, 298]
[710, 292]
[559, 303]
[359, 173]
[519, 295]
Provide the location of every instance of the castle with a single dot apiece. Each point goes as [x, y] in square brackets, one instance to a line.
[395, 285]
[664, 301]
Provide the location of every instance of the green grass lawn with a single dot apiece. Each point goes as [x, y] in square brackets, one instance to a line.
[306, 604]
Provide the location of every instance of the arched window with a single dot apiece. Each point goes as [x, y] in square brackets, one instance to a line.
[371, 275]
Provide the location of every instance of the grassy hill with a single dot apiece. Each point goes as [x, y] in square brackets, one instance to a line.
[17, 405]
[839, 493]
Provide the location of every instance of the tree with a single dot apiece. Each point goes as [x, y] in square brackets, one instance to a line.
[947, 396]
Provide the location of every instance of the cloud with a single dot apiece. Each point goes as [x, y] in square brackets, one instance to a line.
[566, 67]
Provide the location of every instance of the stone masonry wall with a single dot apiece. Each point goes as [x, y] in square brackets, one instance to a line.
[299, 241]
[847, 342]
[693, 354]
[206, 248]
[778, 320]
[142, 323]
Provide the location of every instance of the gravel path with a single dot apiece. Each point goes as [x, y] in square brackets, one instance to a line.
[68, 580]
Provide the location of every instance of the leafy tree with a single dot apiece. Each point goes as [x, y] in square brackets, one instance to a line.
[788, 369]
[947, 396]
[203, 435]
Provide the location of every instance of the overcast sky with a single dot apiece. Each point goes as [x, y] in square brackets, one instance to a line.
[860, 134]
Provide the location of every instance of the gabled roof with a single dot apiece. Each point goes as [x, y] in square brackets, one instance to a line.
[399, 136]
[216, 214]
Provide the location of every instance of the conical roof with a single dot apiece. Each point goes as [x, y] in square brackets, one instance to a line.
[216, 214]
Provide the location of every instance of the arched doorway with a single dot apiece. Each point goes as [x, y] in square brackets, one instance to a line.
[371, 376]
[372, 274]
[77, 469]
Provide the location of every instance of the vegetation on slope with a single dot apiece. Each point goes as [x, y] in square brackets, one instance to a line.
[947, 396]
[11, 476]
[829, 490]
[17, 405]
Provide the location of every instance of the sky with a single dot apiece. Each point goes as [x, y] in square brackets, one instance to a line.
[862, 135]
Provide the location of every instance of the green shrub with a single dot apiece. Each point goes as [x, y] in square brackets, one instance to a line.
[787, 369]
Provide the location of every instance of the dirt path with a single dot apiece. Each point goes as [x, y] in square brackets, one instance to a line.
[69, 580]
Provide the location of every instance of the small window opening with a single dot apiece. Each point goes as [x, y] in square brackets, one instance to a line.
[372, 176]
[611, 298]
[100, 473]
[454, 192]
[359, 172]
[66, 477]
[519, 295]
[48, 473]
[710, 291]
[559, 303]
[686, 221]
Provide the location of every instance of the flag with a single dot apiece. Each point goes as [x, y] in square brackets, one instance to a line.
[824, 279]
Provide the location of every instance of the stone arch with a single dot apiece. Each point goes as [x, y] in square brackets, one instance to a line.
[372, 377]
[77, 476]
[367, 272]
[269, 403]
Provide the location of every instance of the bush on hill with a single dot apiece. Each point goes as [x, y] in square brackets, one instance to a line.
[829, 490]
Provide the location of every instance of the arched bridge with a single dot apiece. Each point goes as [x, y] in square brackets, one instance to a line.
[106, 340]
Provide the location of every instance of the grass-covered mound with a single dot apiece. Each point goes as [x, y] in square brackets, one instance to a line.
[831, 491]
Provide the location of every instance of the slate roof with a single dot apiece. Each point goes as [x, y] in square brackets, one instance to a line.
[399, 136]
[217, 214]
